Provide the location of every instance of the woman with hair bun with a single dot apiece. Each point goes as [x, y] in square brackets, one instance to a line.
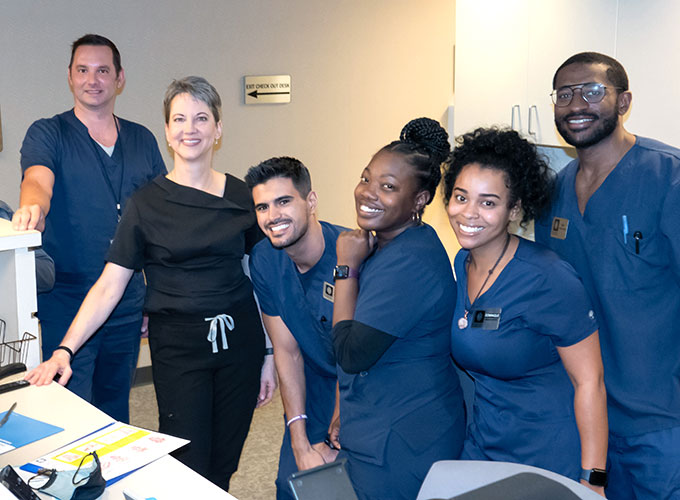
[401, 405]
[523, 326]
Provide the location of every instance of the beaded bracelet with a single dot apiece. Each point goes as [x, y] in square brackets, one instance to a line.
[302, 416]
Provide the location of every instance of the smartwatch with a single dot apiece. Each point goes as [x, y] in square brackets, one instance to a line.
[344, 272]
[596, 477]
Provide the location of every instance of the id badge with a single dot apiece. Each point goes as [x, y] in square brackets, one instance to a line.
[487, 319]
[559, 228]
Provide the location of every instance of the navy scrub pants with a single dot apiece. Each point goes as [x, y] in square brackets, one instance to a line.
[104, 367]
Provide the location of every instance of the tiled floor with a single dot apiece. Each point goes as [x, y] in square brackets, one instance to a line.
[257, 469]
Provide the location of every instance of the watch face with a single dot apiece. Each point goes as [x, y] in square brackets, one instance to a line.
[598, 477]
[341, 272]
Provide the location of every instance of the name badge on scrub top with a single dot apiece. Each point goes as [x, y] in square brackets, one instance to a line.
[328, 291]
[559, 228]
[488, 319]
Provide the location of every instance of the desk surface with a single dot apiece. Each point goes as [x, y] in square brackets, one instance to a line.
[57, 406]
[164, 479]
[449, 478]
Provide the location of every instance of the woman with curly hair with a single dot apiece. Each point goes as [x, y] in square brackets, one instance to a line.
[523, 326]
[401, 405]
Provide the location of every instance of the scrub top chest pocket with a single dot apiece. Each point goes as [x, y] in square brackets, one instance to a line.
[630, 259]
[510, 351]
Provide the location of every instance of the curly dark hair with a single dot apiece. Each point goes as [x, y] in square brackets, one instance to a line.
[527, 174]
[424, 144]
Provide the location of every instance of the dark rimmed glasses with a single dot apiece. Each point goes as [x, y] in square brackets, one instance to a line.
[591, 93]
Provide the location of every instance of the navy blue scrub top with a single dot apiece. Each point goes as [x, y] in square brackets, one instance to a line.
[406, 289]
[635, 287]
[523, 410]
[83, 217]
[307, 314]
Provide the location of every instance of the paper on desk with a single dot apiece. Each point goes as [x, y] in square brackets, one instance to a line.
[20, 430]
[121, 448]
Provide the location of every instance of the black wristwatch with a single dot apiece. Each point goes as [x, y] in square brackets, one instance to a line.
[344, 272]
[596, 477]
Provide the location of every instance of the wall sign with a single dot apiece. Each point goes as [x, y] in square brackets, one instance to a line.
[267, 89]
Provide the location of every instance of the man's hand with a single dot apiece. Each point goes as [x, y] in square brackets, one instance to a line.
[328, 454]
[59, 363]
[309, 458]
[314, 456]
[267, 382]
[29, 217]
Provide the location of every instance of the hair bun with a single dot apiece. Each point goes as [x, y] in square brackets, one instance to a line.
[429, 135]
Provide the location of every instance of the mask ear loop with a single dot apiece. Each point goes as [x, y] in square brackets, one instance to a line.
[96, 459]
[51, 475]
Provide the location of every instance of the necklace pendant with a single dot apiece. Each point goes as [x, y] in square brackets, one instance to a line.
[463, 323]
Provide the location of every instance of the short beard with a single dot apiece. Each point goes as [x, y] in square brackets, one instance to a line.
[606, 128]
[293, 240]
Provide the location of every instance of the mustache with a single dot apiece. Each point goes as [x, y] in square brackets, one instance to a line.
[580, 115]
[277, 222]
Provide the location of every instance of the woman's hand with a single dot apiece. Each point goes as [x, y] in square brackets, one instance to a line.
[354, 246]
[334, 432]
[597, 489]
[267, 382]
[145, 326]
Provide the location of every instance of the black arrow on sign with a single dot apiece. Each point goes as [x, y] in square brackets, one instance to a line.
[255, 93]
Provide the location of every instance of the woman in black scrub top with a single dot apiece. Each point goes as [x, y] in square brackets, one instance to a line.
[189, 231]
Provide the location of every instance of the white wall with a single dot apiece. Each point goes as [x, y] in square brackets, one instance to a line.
[360, 70]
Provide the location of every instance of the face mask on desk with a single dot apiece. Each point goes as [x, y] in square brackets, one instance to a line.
[84, 483]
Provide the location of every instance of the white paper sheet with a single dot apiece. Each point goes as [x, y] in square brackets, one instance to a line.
[121, 448]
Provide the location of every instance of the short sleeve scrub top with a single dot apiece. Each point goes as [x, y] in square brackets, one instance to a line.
[407, 410]
[523, 407]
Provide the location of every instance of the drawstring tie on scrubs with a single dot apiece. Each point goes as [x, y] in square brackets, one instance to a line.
[224, 320]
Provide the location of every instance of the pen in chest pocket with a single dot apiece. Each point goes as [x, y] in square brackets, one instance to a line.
[638, 236]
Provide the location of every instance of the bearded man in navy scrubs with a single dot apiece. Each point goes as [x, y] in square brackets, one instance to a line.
[616, 219]
[292, 274]
[79, 168]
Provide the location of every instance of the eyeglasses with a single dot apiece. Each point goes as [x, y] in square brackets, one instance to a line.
[591, 93]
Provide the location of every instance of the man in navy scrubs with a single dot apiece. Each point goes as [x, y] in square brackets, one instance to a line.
[616, 219]
[293, 278]
[79, 168]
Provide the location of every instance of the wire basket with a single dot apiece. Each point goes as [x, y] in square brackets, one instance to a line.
[14, 351]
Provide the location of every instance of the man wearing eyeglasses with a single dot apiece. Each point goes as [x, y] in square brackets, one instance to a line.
[616, 219]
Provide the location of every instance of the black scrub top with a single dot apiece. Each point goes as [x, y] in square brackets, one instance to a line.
[190, 245]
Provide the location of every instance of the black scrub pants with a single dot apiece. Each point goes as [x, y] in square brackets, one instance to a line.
[207, 397]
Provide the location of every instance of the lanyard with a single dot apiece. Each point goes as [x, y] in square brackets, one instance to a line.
[98, 151]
